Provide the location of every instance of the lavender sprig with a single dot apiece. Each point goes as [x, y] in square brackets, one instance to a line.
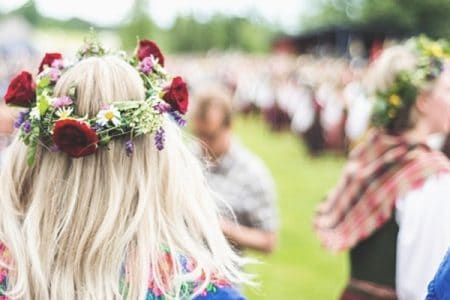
[27, 126]
[21, 119]
[129, 148]
[160, 139]
[178, 118]
[162, 107]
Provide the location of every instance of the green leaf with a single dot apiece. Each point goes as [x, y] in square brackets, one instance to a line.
[43, 104]
[31, 153]
[126, 105]
[43, 82]
[104, 140]
[73, 92]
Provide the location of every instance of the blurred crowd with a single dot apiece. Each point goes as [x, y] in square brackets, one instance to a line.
[322, 100]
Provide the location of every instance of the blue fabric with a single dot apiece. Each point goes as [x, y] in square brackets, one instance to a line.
[224, 293]
[439, 287]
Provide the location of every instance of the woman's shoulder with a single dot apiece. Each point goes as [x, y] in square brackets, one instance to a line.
[439, 287]
[211, 292]
[217, 288]
[436, 185]
[222, 293]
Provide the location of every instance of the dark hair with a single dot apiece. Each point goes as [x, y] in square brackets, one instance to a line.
[213, 97]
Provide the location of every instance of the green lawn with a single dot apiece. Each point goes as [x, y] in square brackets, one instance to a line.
[299, 269]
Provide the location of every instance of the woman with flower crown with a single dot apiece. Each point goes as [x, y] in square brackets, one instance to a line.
[100, 197]
[391, 209]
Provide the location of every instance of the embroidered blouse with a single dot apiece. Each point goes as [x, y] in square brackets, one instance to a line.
[217, 289]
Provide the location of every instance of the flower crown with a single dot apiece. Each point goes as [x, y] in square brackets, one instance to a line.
[52, 121]
[407, 84]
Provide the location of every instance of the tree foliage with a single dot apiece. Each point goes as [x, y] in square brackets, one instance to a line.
[407, 16]
[187, 34]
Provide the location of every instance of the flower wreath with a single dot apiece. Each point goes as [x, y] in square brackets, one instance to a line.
[407, 84]
[52, 121]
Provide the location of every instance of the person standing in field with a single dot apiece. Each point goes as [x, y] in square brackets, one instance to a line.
[238, 177]
[391, 208]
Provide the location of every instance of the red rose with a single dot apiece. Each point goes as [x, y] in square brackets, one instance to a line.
[21, 91]
[147, 48]
[75, 138]
[48, 59]
[177, 95]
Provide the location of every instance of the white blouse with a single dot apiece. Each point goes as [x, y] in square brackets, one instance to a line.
[423, 216]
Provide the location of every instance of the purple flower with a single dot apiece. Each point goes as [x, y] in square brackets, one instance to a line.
[162, 107]
[160, 138]
[178, 118]
[58, 64]
[27, 126]
[54, 74]
[129, 147]
[21, 119]
[98, 127]
[146, 65]
[62, 101]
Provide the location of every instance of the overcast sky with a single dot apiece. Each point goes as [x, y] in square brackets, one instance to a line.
[109, 12]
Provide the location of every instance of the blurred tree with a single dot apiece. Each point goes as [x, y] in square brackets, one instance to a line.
[408, 16]
[219, 32]
[138, 24]
[30, 12]
[188, 34]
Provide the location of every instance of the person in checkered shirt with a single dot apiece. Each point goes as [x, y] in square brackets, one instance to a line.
[391, 208]
[240, 179]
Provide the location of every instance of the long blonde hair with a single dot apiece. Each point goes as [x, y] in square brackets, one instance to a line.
[71, 225]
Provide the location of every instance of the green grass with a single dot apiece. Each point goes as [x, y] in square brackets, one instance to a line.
[299, 268]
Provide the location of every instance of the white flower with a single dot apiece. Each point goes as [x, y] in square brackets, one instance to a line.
[64, 112]
[35, 114]
[110, 114]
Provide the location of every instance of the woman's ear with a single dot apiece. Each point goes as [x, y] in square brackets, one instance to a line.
[6, 119]
[422, 102]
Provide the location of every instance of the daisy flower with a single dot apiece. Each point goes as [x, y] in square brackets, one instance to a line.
[110, 114]
[64, 112]
[35, 114]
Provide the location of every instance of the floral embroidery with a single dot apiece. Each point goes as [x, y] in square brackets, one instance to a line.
[3, 272]
[188, 288]
[154, 292]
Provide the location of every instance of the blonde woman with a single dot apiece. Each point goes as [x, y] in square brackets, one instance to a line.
[391, 210]
[100, 198]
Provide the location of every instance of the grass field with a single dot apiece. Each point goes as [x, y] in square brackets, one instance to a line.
[299, 269]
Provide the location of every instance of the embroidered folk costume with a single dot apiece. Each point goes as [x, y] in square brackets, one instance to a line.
[379, 209]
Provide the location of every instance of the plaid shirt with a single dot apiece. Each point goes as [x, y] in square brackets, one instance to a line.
[379, 170]
[244, 183]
